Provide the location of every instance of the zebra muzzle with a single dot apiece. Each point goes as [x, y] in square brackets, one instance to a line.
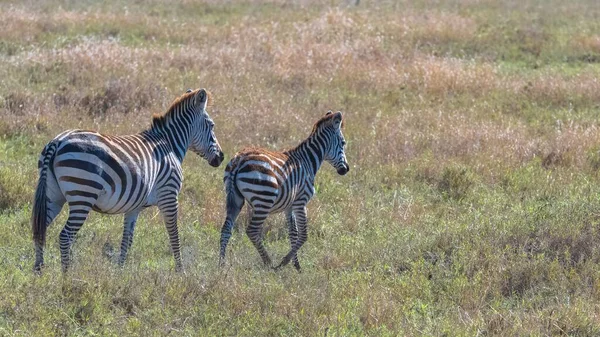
[343, 170]
[217, 160]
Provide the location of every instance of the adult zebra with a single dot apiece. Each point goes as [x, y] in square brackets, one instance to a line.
[122, 174]
[272, 182]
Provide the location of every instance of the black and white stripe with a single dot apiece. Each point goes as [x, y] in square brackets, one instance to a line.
[122, 174]
[274, 182]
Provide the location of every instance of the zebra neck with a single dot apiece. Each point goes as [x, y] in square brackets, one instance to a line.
[176, 132]
[310, 154]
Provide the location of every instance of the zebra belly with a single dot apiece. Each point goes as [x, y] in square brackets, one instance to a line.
[281, 202]
[280, 208]
[284, 202]
[124, 199]
[106, 204]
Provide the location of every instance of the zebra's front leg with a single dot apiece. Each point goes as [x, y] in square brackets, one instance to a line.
[254, 232]
[299, 214]
[78, 213]
[293, 233]
[128, 228]
[168, 208]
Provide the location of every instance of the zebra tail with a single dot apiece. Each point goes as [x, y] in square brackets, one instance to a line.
[40, 207]
[231, 188]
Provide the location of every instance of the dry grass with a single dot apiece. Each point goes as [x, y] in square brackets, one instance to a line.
[471, 207]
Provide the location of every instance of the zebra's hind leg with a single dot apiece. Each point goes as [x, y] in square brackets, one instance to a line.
[128, 228]
[254, 232]
[235, 203]
[299, 214]
[168, 206]
[78, 213]
[52, 211]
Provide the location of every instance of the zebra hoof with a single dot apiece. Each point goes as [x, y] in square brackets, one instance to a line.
[268, 263]
[37, 269]
[285, 261]
[281, 265]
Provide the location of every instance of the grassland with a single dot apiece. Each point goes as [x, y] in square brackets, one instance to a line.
[472, 206]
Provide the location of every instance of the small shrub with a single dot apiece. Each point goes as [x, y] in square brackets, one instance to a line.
[16, 102]
[121, 96]
[518, 278]
[455, 182]
[556, 158]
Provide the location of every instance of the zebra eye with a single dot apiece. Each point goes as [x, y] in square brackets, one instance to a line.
[343, 143]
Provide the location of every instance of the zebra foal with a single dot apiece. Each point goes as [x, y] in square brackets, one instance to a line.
[121, 174]
[273, 182]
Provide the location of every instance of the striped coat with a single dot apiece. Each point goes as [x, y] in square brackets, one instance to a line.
[273, 182]
[121, 174]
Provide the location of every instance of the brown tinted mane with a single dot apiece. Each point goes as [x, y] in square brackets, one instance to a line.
[159, 119]
[324, 120]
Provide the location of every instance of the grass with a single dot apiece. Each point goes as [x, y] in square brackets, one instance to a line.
[471, 207]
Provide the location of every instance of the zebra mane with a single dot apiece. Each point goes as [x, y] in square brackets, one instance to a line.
[160, 119]
[327, 119]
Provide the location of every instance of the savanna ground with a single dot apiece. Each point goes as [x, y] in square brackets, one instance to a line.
[472, 206]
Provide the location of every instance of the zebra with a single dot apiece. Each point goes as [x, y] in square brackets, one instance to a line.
[273, 182]
[122, 174]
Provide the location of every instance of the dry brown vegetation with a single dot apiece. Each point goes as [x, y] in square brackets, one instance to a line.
[471, 207]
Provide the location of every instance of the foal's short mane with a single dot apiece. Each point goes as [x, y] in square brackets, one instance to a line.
[324, 120]
[160, 119]
[321, 122]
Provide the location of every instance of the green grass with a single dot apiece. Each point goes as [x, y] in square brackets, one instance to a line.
[471, 207]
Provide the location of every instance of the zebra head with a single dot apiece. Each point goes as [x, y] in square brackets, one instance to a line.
[204, 142]
[334, 148]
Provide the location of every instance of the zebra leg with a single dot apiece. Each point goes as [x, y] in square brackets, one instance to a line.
[254, 232]
[52, 211]
[293, 232]
[302, 230]
[299, 214]
[128, 228]
[168, 207]
[240, 225]
[78, 213]
[234, 206]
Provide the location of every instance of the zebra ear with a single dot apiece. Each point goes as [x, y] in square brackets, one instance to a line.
[201, 98]
[188, 91]
[328, 113]
[337, 118]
